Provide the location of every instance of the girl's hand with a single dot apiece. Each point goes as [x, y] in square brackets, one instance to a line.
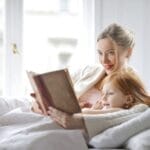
[66, 120]
[85, 104]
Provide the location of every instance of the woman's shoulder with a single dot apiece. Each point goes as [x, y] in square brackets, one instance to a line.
[91, 69]
[133, 71]
[83, 79]
[85, 70]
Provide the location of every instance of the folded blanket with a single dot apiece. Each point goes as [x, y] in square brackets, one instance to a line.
[116, 136]
[140, 141]
[95, 124]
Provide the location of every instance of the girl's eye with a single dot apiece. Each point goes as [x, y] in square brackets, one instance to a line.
[110, 93]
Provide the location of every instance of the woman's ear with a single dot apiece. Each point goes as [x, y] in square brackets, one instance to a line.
[129, 52]
[128, 101]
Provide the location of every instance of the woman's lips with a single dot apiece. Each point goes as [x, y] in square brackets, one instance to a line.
[108, 67]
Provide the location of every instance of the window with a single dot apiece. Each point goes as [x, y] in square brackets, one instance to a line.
[42, 36]
[52, 30]
[51, 33]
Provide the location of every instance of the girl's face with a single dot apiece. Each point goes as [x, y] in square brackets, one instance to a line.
[111, 56]
[112, 97]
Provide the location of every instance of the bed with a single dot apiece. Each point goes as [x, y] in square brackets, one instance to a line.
[25, 130]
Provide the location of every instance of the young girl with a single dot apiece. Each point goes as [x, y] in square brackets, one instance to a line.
[120, 90]
[115, 46]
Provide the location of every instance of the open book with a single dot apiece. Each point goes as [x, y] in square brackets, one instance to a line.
[54, 89]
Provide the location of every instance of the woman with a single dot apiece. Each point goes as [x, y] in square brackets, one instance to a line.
[114, 46]
[121, 92]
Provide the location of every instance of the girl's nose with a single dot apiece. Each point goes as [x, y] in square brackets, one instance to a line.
[104, 97]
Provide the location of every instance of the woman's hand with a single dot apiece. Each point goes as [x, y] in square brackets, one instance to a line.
[97, 105]
[66, 120]
[35, 106]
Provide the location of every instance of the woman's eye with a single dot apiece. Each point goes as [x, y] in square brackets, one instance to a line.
[100, 53]
[111, 53]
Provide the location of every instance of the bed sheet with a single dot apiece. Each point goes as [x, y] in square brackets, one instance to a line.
[20, 130]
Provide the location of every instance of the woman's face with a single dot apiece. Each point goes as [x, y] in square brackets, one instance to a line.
[111, 56]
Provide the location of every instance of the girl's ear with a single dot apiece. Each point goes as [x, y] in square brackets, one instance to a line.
[128, 101]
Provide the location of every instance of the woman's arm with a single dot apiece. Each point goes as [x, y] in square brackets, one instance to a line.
[66, 120]
[74, 121]
[96, 111]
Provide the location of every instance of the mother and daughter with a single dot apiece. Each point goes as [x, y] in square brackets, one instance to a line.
[113, 88]
[109, 87]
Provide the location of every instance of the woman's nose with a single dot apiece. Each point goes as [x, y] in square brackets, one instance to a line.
[105, 59]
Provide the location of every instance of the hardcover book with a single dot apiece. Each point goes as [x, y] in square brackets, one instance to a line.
[54, 89]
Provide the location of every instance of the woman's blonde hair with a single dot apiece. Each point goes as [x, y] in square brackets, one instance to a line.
[120, 35]
[129, 84]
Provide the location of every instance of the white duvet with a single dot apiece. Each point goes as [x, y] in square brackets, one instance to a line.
[21, 129]
[133, 134]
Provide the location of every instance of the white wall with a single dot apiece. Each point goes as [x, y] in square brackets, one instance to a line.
[133, 14]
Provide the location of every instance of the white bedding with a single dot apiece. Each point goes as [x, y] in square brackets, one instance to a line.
[140, 141]
[20, 130]
[25, 130]
[129, 132]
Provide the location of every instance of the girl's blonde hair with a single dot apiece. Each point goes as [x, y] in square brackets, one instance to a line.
[129, 84]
